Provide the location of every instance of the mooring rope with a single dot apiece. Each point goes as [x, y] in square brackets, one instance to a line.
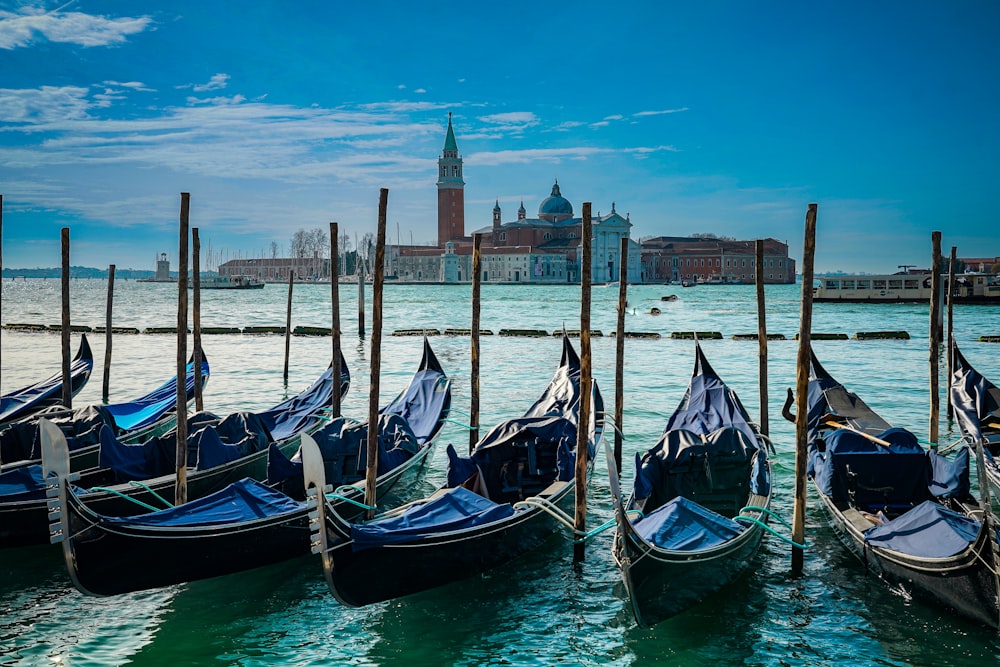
[167, 504]
[758, 522]
[126, 497]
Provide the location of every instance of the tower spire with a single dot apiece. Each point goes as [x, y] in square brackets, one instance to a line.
[451, 190]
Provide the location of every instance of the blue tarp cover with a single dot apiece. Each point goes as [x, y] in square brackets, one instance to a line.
[683, 525]
[24, 483]
[244, 500]
[420, 405]
[457, 509]
[147, 409]
[929, 530]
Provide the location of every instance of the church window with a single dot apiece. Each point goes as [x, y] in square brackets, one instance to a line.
[503, 236]
[454, 170]
[572, 235]
[547, 236]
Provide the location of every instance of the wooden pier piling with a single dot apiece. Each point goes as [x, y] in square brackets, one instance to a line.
[335, 317]
[949, 337]
[477, 260]
[106, 385]
[67, 380]
[361, 298]
[801, 390]
[935, 337]
[761, 336]
[620, 352]
[288, 323]
[378, 278]
[199, 401]
[180, 489]
[583, 422]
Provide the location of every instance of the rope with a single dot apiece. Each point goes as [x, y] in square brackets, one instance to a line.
[604, 526]
[948, 448]
[166, 503]
[129, 498]
[349, 501]
[758, 522]
[548, 508]
[452, 421]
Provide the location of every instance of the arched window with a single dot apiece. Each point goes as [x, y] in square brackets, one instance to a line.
[547, 236]
[572, 235]
[503, 236]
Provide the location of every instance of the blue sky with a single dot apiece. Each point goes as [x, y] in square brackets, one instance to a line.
[724, 117]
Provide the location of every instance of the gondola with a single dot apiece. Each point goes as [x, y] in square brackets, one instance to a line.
[248, 524]
[698, 511]
[906, 512]
[135, 478]
[130, 421]
[494, 506]
[31, 399]
[976, 402]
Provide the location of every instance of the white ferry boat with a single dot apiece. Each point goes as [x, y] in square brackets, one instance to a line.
[904, 288]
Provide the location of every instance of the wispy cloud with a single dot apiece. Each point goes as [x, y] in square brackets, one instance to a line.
[30, 24]
[514, 121]
[531, 155]
[640, 114]
[132, 85]
[217, 82]
[43, 105]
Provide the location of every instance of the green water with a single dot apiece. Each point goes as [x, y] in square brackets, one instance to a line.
[542, 609]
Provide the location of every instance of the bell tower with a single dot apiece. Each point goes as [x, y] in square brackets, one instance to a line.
[451, 191]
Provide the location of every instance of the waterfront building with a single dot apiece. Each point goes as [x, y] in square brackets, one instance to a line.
[713, 261]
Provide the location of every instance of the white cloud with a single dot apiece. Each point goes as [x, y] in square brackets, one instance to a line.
[616, 116]
[658, 113]
[31, 23]
[217, 82]
[420, 90]
[43, 105]
[132, 85]
[525, 118]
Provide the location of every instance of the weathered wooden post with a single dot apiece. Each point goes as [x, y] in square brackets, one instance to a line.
[335, 317]
[935, 336]
[199, 401]
[620, 352]
[583, 423]
[67, 380]
[180, 490]
[106, 386]
[761, 337]
[801, 389]
[361, 297]
[288, 322]
[477, 260]
[378, 277]
[949, 339]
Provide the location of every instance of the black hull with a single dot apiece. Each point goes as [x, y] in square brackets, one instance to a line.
[662, 584]
[963, 583]
[374, 575]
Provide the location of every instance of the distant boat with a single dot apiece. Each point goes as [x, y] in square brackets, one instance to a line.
[231, 282]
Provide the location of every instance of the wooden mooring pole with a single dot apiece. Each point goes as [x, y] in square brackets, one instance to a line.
[361, 298]
[106, 385]
[801, 389]
[583, 422]
[935, 336]
[67, 380]
[335, 317]
[477, 267]
[288, 323]
[199, 401]
[180, 489]
[950, 337]
[620, 352]
[378, 278]
[761, 337]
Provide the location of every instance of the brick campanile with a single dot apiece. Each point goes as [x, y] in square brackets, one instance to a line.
[451, 191]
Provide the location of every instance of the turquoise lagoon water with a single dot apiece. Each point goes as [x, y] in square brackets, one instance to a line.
[542, 609]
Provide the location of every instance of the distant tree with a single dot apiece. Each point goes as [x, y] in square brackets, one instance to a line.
[712, 237]
[995, 268]
[274, 250]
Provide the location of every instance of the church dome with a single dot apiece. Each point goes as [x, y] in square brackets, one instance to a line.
[555, 205]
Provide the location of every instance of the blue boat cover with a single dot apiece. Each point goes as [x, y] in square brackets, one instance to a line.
[422, 404]
[458, 509]
[27, 400]
[147, 409]
[975, 398]
[241, 501]
[24, 483]
[875, 475]
[929, 530]
[237, 435]
[82, 427]
[826, 396]
[300, 412]
[684, 525]
[708, 406]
